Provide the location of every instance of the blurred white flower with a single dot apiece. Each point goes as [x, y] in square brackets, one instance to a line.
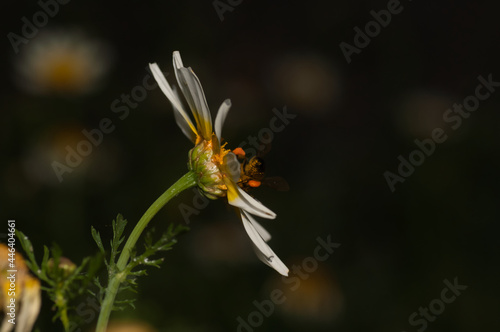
[49, 147]
[26, 295]
[62, 62]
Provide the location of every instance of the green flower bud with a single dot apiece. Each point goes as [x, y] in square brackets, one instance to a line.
[65, 264]
[204, 164]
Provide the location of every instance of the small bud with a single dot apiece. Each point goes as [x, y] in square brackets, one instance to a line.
[66, 265]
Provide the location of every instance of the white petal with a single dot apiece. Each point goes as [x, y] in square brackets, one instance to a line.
[31, 303]
[6, 326]
[221, 117]
[261, 230]
[193, 92]
[267, 255]
[177, 60]
[172, 97]
[181, 122]
[248, 203]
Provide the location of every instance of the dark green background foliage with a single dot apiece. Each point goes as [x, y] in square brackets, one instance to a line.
[353, 121]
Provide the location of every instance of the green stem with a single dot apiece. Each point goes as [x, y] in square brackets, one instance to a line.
[61, 303]
[185, 182]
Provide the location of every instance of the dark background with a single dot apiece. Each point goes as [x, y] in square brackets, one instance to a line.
[353, 121]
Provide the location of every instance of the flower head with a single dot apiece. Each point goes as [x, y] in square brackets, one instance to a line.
[217, 168]
[25, 294]
[62, 62]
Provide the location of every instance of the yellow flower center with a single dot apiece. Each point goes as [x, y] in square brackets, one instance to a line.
[219, 157]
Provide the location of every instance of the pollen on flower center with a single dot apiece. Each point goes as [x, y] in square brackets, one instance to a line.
[219, 157]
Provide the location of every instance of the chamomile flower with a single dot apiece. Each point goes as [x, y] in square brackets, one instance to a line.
[62, 62]
[218, 169]
[25, 295]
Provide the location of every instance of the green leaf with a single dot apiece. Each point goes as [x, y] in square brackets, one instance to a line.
[61, 285]
[28, 249]
[97, 238]
[118, 227]
[45, 262]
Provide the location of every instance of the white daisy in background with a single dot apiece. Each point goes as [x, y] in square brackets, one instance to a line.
[62, 62]
[218, 169]
[28, 298]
